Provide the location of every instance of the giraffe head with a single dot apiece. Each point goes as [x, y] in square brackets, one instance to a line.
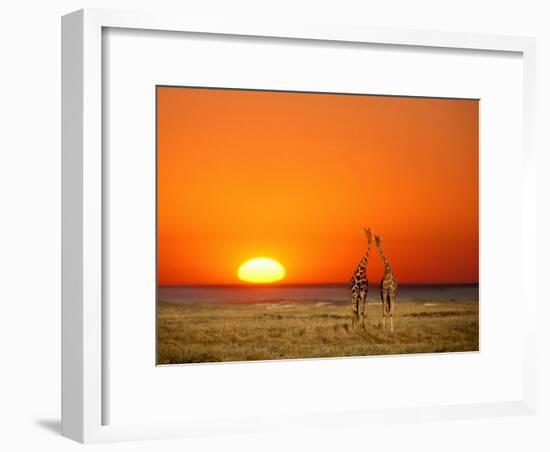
[368, 233]
[378, 240]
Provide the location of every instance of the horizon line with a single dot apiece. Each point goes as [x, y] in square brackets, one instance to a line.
[334, 284]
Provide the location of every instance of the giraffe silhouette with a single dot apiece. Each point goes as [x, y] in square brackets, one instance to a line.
[388, 286]
[359, 286]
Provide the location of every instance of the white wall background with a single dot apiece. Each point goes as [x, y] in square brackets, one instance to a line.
[30, 227]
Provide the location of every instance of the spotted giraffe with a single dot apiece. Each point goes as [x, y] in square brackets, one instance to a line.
[359, 286]
[388, 287]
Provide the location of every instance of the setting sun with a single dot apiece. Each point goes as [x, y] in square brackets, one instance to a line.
[261, 270]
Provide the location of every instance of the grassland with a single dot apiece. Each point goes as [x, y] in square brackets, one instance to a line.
[194, 333]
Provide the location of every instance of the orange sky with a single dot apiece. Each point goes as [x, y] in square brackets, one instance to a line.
[295, 177]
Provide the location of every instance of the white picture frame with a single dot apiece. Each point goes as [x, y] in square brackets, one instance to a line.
[84, 392]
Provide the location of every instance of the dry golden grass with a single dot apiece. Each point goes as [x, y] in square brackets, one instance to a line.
[195, 333]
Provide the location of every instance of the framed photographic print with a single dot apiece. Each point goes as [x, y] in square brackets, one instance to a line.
[281, 208]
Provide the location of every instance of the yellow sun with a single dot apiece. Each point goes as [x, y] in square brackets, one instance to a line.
[261, 270]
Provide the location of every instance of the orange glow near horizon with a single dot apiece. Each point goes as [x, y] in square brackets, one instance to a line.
[296, 176]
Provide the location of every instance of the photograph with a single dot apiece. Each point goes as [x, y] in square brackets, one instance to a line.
[300, 225]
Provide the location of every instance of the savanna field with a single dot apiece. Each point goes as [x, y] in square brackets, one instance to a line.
[195, 333]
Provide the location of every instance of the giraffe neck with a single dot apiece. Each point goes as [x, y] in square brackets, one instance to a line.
[364, 260]
[387, 266]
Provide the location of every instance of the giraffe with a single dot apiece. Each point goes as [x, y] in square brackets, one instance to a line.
[388, 286]
[358, 286]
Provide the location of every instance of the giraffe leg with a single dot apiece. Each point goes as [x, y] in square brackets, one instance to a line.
[363, 309]
[359, 301]
[353, 310]
[392, 305]
[356, 309]
[383, 298]
[353, 316]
